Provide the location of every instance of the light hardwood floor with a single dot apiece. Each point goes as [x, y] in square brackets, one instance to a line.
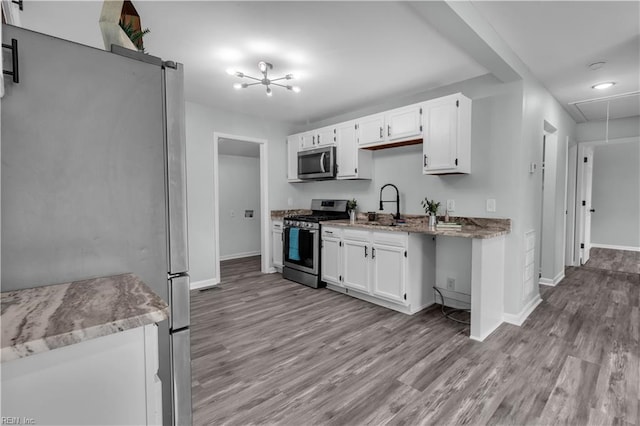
[269, 351]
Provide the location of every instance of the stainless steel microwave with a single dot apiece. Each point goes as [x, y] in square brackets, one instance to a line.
[319, 163]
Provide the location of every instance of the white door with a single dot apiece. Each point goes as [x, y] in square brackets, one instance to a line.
[347, 150]
[404, 123]
[371, 129]
[355, 264]
[331, 261]
[583, 203]
[586, 208]
[440, 135]
[572, 163]
[388, 276]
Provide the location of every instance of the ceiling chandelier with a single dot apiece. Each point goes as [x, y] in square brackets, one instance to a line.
[264, 68]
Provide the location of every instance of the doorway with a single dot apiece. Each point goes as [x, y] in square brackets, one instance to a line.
[240, 156]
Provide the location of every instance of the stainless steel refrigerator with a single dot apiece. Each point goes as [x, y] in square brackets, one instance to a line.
[93, 180]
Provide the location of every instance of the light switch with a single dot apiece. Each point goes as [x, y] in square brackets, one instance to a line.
[233, 213]
[451, 205]
[491, 205]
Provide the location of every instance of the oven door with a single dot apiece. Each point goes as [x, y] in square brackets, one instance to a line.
[317, 163]
[304, 257]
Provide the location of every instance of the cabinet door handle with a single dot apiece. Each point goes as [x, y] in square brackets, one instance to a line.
[313, 138]
[380, 132]
[373, 252]
[14, 60]
[318, 139]
[388, 130]
[366, 252]
[424, 163]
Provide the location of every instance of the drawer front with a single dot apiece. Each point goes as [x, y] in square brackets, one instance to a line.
[357, 235]
[328, 232]
[396, 239]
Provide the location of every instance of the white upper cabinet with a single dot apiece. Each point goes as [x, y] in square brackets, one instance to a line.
[326, 136]
[371, 129]
[293, 145]
[353, 163]
[404, 123]
[393, 126]
[447, 135]
[317, 138]
[307, 140]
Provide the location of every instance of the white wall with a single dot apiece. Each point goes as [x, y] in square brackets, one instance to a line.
[616, 195]
[201, 123]
[239, 185]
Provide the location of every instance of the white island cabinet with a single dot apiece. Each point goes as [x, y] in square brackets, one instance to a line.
[89, 357]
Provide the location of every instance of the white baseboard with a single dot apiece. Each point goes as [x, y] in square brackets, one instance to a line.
[199, 285]
[520, 318]
[609, 246]
[552, 282]
[486, 334]
[239, 255]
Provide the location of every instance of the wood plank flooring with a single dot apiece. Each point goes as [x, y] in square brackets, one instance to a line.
[614, 260]
[269, 351]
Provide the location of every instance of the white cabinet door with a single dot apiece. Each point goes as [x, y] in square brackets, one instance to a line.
[388, 275]
[355, 266]
[371, 129]
[404, 123]
[276, 250]
[331, 260]
[325, 136]
[347, 150]
[307, 140]
[440, 136]
[293, 145]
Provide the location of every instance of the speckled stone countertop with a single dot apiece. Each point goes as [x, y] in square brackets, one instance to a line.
[280, 214]
[40, 319]
[472, 227]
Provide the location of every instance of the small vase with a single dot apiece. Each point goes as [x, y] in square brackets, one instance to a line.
[432, 220]
[352, 216]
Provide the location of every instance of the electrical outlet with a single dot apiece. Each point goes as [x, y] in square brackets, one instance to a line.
[451, 283]
[491, 205]
[451, 205]
[290, 201]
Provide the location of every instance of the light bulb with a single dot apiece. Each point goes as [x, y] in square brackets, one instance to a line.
[262, 66]
[269, 93]
[231, 71]
[296, 89]
[237, 86]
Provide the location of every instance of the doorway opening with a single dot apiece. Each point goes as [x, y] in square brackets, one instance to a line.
[241, 213]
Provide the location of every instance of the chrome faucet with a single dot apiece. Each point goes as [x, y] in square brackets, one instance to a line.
[397, 200]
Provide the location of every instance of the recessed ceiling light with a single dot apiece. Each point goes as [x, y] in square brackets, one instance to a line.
[596, 65]
[605, 85]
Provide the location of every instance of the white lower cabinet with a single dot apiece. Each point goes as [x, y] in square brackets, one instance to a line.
[107, 380]
[392, 269]
[388, 275]
[276, 244]
[330, 255]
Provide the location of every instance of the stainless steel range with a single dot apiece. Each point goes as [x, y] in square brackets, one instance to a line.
[301, 248]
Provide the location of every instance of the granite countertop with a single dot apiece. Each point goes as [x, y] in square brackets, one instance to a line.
[280, 214]
[472, 227]
[40, 319]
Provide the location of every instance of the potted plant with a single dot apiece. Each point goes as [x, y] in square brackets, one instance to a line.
[430, 208]
[351, 206]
